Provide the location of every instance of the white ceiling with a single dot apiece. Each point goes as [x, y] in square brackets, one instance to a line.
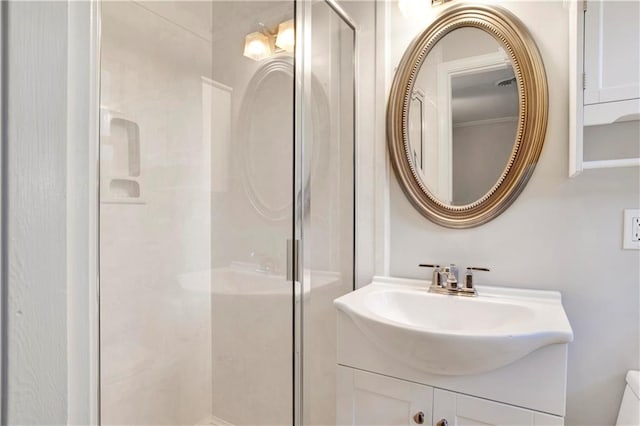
[477, 97]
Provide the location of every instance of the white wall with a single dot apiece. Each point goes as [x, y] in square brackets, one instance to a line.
[480, 153]
[35, 213]
[561, 233]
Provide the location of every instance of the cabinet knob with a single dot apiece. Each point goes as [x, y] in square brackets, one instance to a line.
[419, 417]
[442, 422]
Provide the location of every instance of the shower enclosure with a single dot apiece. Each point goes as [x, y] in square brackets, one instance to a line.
[226, 209]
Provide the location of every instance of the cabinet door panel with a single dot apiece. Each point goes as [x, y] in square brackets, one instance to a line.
[367, 399]
[462, 410]
[612, 51]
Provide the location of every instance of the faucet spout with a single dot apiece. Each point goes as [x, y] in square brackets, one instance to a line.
[264, 262]
[446, 280]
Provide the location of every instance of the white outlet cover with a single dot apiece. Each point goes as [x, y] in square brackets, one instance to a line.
[628, 240]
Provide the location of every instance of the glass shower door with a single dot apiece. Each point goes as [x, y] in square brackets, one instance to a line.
[326, 222]
[196, 207]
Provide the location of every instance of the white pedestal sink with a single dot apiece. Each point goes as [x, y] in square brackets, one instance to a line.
[505, 345]
[456, 335]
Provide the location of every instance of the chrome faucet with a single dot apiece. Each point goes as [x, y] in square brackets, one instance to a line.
[446, 280]
[452, 276]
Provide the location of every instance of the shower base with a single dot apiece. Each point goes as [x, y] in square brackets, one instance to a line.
[213, 421]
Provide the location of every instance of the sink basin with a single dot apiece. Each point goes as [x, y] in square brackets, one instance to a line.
[456, 335]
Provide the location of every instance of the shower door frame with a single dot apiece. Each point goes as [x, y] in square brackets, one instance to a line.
[302, 87]
[83, 210]
[3, 202]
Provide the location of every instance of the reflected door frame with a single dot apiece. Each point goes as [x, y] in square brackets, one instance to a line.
[445, 74]
[417, 101]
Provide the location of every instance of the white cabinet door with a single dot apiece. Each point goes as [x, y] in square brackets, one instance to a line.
[611, 51]
[366, 399]
[604, 49]
[454, 409]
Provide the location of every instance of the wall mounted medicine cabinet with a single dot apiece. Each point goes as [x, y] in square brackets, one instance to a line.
[604, 84]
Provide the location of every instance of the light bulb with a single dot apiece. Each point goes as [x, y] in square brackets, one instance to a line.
[286, 39]
[257, 46]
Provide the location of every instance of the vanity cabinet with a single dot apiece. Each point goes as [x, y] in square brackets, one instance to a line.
[604, 75]
[459, 409]
[369, 399]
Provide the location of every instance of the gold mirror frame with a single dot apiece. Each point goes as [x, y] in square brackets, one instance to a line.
[511, 33]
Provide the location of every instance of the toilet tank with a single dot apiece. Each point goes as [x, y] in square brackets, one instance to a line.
[629, 414]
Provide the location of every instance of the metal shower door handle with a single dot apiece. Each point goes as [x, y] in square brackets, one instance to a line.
[293, 260]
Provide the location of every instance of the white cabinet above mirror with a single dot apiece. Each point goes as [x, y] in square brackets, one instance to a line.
[611, 61]
[604, 79]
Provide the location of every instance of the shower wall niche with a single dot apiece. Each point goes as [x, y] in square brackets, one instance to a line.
[119, 157]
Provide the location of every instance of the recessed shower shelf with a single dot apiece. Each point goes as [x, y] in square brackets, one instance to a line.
[123, 190]
[120, 159]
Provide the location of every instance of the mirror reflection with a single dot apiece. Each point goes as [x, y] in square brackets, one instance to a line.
[463, 116]
[268, 100]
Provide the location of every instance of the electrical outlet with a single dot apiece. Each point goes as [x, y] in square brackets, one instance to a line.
[631, 236]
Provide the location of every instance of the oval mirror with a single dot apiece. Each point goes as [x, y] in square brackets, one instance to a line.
[467, 115]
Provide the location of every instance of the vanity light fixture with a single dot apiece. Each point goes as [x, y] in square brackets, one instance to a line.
[286, 38]
[264, 44]
[258, 46]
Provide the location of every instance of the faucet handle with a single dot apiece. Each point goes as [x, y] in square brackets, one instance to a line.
[476, 268]
[436, 279]
[468, 276]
